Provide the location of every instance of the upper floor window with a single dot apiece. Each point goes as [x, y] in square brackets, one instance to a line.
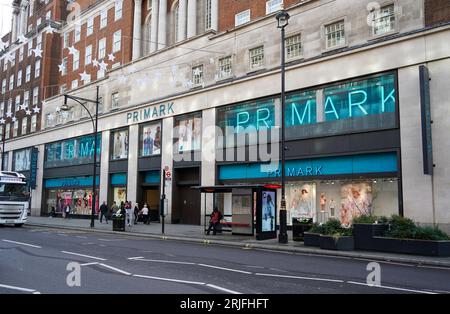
[37, 68]
[197, 75]
[90, 26]
[115, 100]
[7, 128]
[21, 54]
[26, 98]
[76, 61]
[225, 67]
[256, 57]
[118, 9]
[242, 18]
[4, 86]
[383, 20]
[273, 5]
[77, 33]
[11, 82]
[64, 69]
[17, 103]
[35, 96]
[19, 78]
[24, 126]
[48, 16]
[88, 56]
[117, 41]
[31, 8]
[15, 128]
[30, 48]
[28, 74]
[104, 18]
[208, 15]
[74, 84]
[335, 34]
[293, 46]
[33, 123]
[102, 48]
[39, 42]
[66, 40]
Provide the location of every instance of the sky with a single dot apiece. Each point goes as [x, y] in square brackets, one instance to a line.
[5, 16]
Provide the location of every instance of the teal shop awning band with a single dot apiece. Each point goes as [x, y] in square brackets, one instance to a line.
[340, 165]
[119, 179]
[70, 182]
[152, 177]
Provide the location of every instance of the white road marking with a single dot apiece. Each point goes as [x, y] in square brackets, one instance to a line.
[171, 280]
[89, 264]
[137, 257]
[163, 261]
[116, 269]
[222, 289]
[299, 277]
[434, 267]
[18, 288]
[21, 243]
[390, 288]
[81, 237]
[251, 266]
[82, 255]
[227, 269]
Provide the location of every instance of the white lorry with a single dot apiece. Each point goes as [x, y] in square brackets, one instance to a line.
[14, 198]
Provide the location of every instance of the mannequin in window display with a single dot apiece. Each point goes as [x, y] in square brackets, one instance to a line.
[148, 143]
[118, 146]
[305, 204]
[332, 207]
[323, 202]
[356, 201]
[157, 141]
[196, 134]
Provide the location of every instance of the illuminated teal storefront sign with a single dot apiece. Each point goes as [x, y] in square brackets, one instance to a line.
[70, 182]
[73, 151]
[317, 167]
[372, 98]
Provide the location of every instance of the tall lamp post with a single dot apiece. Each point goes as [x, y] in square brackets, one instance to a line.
[283, 21]
[81, 101]
[3, 145]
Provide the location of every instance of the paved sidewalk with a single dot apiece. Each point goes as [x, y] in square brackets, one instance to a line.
[196, 234]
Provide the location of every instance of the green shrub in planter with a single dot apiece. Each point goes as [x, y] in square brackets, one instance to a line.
[405, 228]
[369, 219]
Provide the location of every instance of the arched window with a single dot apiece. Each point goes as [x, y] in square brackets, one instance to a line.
[176, 10]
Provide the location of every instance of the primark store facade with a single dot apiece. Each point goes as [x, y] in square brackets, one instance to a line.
[353, 129]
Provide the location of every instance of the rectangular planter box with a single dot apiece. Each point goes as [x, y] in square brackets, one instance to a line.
[337, 244]
[312, 239]
[364, 233]
[412, 246]
[299, 229]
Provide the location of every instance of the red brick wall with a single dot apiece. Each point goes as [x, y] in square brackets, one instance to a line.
[229, 8]
[124, 56]
[436, 12]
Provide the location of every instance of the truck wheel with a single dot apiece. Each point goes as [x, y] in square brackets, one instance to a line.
[18, 225]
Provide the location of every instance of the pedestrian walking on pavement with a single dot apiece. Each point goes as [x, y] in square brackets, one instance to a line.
[104, 212]
[145, 214]
[129, 213]
[67, 211]
[136, 213]
[114, 208]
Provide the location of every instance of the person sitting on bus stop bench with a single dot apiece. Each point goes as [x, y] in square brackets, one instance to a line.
[214, 220]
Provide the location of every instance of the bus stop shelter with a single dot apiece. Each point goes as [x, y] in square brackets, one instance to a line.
[247, 209]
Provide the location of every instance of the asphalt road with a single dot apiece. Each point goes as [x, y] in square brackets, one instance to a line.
[35, 260]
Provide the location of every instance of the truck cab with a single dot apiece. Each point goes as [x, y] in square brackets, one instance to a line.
[14, 198]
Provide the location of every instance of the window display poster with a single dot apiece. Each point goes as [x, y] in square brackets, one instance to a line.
[151, 140]
[301, 200]
[189, 134]
[120, 145]
[356, 200]
[22, 160]
[120, 195]
[268, 211]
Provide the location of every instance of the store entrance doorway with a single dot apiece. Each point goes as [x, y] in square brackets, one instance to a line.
[186, 201]
[151, 196]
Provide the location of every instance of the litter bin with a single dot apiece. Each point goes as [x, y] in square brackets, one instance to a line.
[118, 223]
[299, 227]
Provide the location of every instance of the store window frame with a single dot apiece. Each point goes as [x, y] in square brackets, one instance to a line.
[111, 144]
[141, 138]
[177, 119]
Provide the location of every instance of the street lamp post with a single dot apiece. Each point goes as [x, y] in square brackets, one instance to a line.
[3, 146]
[95, 127]
[283, 20]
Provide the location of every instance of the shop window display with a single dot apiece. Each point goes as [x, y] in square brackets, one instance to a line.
[120, 195]
[79, 200]
[150, 140]
[189, 134]
[341, 199]
[120, 144]
[22, 160]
